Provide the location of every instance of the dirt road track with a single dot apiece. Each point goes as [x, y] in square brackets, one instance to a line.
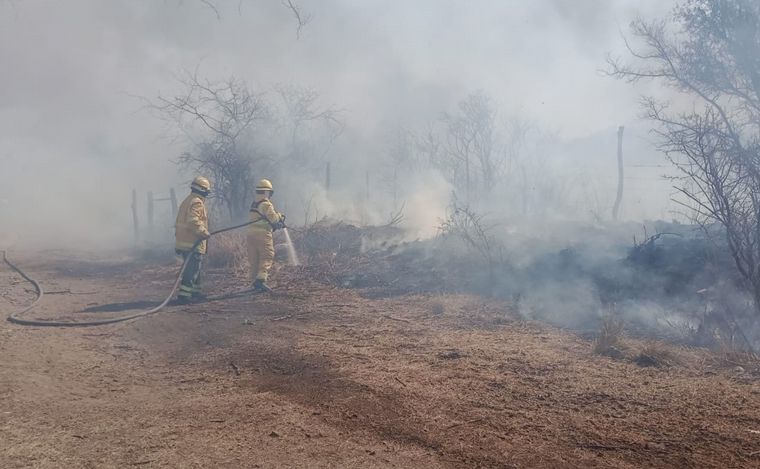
[321, 377]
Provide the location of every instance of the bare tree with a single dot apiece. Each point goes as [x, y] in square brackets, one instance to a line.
[218, 118]
[470, 227]
[528, 179]
[310, 129]
[483, 156]
[401, 160]
[714, 58]
[429, 148]
[470, 144]
[517, 131]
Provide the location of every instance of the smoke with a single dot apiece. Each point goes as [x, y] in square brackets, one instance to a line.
[681, 286]
[75, 139]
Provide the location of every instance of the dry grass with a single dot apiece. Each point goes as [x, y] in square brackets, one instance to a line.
[609, 341]
[738, 360]
[228, 251]
[656, 354]
[338, 376]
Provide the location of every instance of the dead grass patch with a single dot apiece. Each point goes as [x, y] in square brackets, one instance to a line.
[229, 251]
[738, 360]
[656, 354]
[609, 342]
[437, 308]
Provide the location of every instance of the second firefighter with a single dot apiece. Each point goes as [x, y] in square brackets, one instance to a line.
[260, 242]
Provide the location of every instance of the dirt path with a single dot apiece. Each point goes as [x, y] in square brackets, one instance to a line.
[321, 377]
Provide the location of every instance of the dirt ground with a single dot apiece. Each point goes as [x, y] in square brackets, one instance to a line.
[317, 376]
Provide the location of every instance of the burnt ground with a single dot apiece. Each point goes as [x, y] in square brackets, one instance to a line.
[320, 376]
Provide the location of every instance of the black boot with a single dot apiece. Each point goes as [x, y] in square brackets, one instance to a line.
[181, 300]
[259, 285]
[198, 297]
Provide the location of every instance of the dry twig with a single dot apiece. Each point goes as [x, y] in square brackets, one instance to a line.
[314, 335]
[393, 318]
[301, 19]
[464, 423]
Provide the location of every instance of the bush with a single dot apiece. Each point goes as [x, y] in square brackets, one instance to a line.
[608, 342]
[655, 354]
[229, 251]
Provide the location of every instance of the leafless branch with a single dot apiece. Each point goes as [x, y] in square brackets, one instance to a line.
[715, 146]
[301, 19]
[209, 4]
[396, 217]
[470, 227]
[218, 118]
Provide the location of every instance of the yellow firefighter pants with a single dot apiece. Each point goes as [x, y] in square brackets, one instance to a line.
[260, 252]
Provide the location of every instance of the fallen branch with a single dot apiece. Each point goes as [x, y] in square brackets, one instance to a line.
[314, 335]
[69, 292]
[464, 423]
[396, 218]
[235, 369]
[402, 383]
[597, 446]
[393, 318]
[282, 318]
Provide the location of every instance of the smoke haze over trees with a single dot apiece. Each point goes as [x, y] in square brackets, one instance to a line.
[710, 51]
[72, 116]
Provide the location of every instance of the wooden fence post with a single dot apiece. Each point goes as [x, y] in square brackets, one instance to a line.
[173, 196]
[135, 220]
[619, 198]
[150, 211]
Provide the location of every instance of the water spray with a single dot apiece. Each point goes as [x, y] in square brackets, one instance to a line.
[292, 256]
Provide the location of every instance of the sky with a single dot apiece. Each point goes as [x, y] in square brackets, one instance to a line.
[75, 138]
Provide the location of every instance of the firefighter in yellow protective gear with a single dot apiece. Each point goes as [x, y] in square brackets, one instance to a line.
[260, 244]
[191, 226]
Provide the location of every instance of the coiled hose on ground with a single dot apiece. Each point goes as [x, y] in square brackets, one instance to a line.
[16, 319]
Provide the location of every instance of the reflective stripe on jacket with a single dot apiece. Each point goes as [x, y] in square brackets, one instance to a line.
[192, 223]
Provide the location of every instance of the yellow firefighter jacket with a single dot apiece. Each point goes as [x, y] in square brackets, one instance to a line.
[263, 215]
[192, 223]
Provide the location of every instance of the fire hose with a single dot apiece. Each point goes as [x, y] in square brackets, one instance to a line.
[39, 292]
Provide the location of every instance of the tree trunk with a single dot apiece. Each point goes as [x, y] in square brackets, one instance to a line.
[619, 198]
[395, 188]
[467, 178]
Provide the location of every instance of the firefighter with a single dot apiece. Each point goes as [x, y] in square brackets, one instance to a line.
[260, 245]
[191, 226]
